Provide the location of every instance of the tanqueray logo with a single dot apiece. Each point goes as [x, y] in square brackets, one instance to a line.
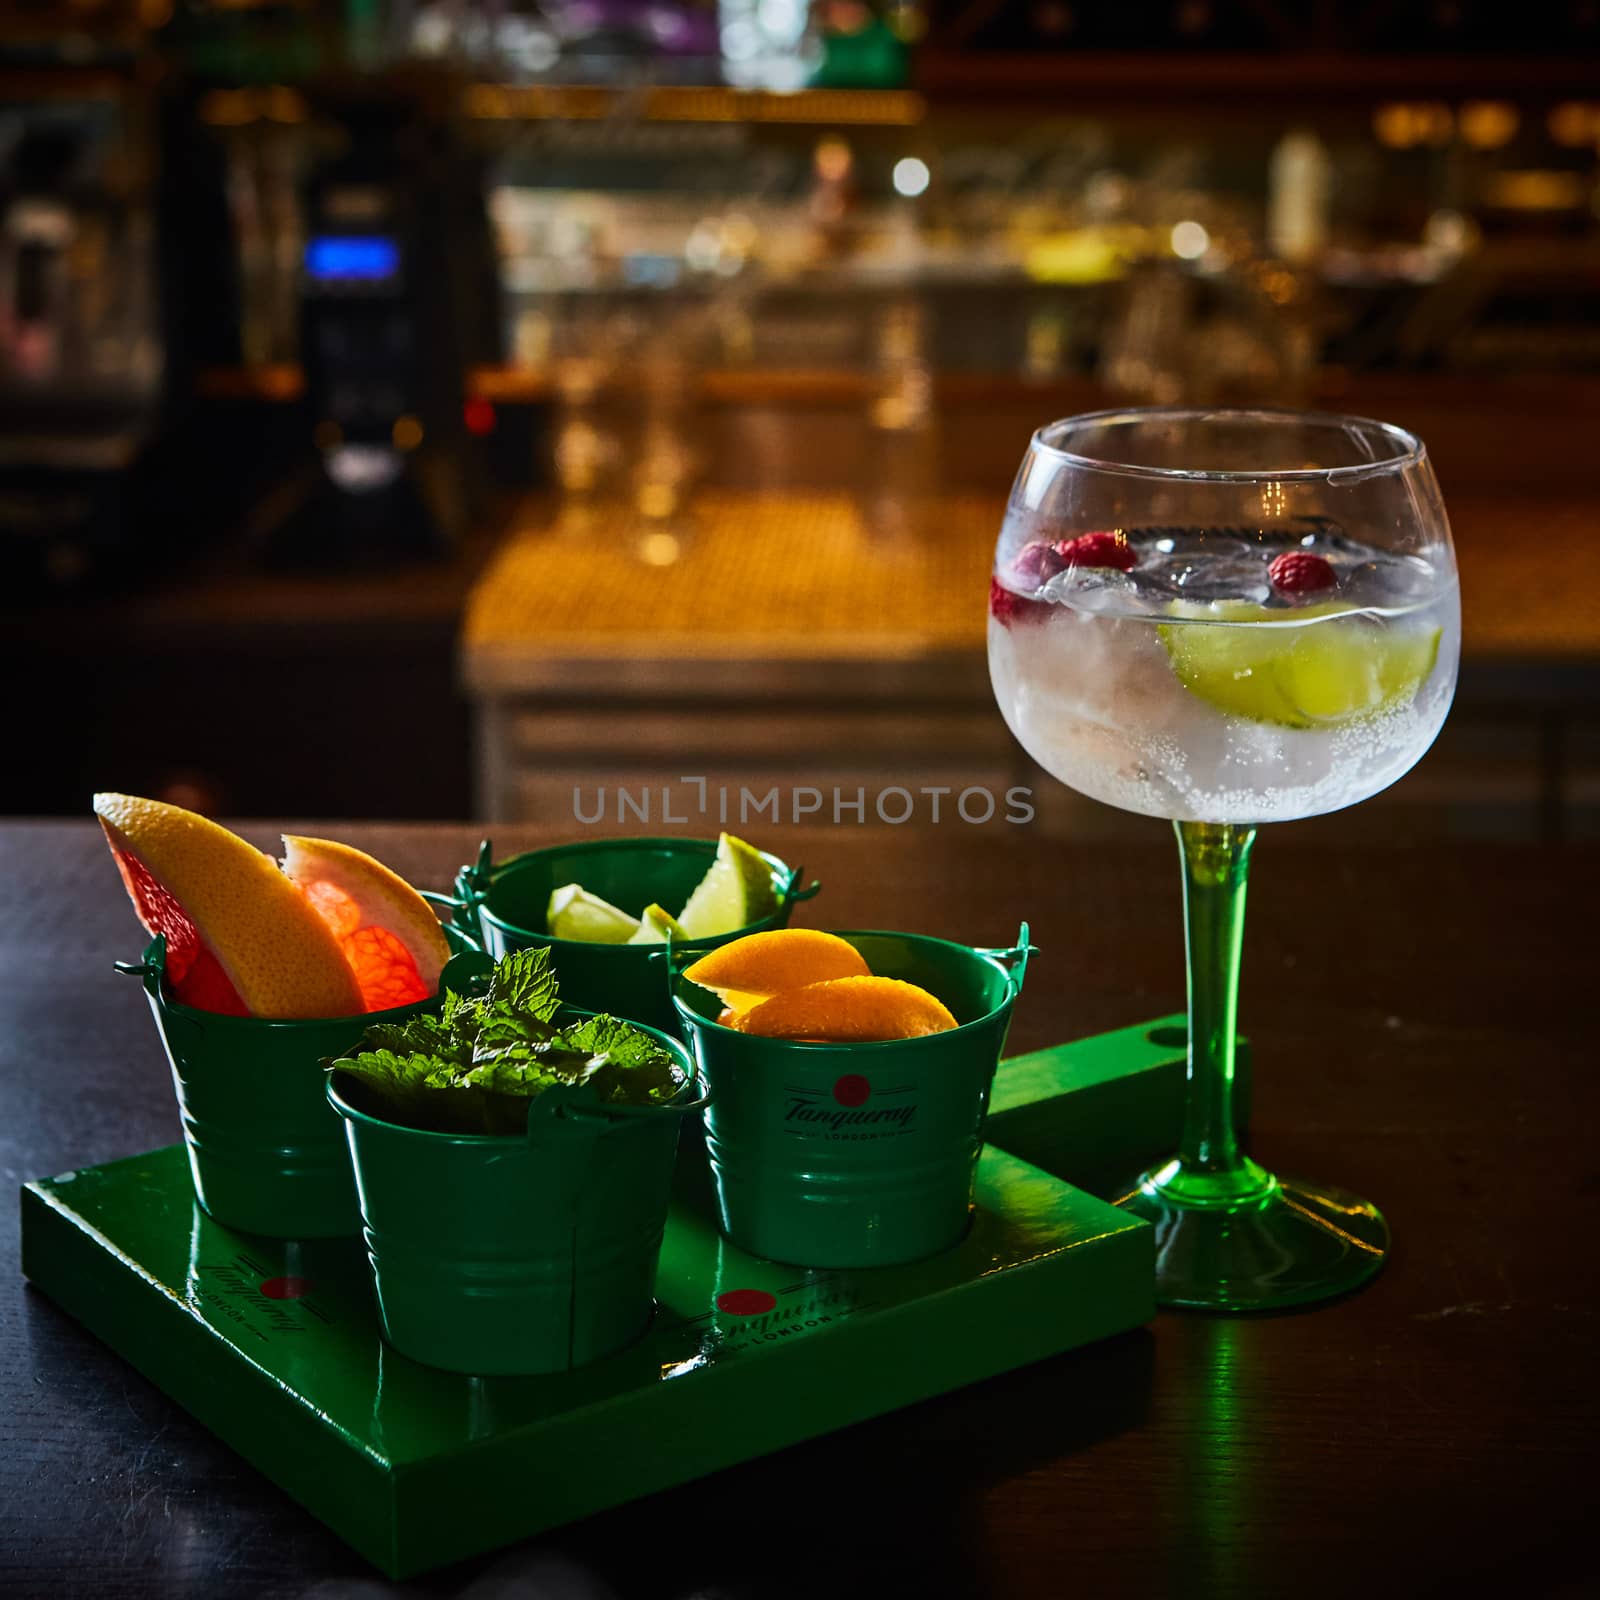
[851, 1110]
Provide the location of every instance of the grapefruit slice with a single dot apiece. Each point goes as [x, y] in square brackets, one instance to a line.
[241, 939]
[386, 930]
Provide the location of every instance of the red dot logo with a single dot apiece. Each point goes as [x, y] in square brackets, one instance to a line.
[852, 1090]
[745, 1302]
[286, 1288]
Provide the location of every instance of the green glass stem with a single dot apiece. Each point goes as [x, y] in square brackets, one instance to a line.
[1229, 1235]
[1210, 1169]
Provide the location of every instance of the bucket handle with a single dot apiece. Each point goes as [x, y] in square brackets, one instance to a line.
[447, 902]
[674, 954]
[472, 886]
[467, 973]
[576, 1103]
[472, 882]
[1015, 959]
[462, 918]
[151, 967]
[151, 970]
[793, 894]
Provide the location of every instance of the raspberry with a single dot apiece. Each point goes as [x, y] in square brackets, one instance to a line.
[1006, 607]
[1301, 572]
[1037, 563]
[1097, 550]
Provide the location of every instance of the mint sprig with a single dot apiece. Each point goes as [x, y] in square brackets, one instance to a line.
[473, 1068]
[523, 985]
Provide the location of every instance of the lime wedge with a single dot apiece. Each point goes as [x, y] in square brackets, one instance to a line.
[574, 913]
[1311, 675]
[656, 926]
[734, 893]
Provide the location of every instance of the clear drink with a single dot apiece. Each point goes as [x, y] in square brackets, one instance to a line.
[1227, 617]
[1206, 683]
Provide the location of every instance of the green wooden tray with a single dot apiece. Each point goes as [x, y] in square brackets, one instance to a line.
[274, 1345]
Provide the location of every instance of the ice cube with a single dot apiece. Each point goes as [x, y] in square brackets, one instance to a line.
[1327, 538]
[1239, 573]
[1387, 581]
[1092, 589]
[1167, 573]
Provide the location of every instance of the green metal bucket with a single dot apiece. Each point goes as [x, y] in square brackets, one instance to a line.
[267, 1155]
[497, 1255]
[504, 906]
[855, 1155]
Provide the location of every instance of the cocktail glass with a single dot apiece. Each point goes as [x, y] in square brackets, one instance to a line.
[1225, 618]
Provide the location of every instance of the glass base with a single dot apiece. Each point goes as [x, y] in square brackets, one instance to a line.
[1247, 1241]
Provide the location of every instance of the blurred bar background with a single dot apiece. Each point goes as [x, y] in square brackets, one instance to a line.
[429, 409]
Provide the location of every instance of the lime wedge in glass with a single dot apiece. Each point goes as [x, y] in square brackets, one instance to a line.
[1301, 674]
[734, 893]
[656, 926]
[574, 913]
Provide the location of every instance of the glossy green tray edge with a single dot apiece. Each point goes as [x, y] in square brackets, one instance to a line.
[415, 1469]
[264, 1420]
[1097, 1111]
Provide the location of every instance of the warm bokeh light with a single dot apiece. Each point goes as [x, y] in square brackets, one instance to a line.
[1402, 125]
[1488, 124]
[833, 160]
[1575, 123]
[659, 549]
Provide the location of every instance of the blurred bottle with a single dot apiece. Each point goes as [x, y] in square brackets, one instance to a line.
[904, 399]
[1143, 356]
[833, 196]
[1299, 197]
[904, 472]
[667, 457]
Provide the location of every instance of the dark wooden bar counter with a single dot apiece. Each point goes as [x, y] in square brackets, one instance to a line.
[1424, 1033]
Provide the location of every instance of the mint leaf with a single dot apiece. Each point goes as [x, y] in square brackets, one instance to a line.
[473, 1068]
[496, 1031]
[630, 1068]
[620, 1042]
[384, 1072]
[547, 1056]
[400, 1087]
[526, 1073]
[421, 1036]
[523, 983]
[421, 1092]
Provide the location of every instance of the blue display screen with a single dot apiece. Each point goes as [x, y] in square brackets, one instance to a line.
[341, 257]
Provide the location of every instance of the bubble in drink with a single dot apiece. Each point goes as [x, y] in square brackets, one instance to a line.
[1194, 686]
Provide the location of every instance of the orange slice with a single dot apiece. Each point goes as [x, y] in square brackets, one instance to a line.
[760, 965]
[386, 930]
[241, 939]
[847, 1011]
